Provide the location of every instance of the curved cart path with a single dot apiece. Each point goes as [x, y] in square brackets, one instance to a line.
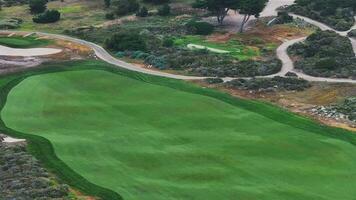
[281, 52]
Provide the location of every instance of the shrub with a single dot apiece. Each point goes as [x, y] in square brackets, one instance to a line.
[352, 33]
[164, 10]
[143, 12]
[123, 41]
[284, 18]
[213, 80]
[157, 1]
[168, 42]
[11, 23]
[49, 16]
[110, 16]
[124, 7]
[37, 6]
[199, 28]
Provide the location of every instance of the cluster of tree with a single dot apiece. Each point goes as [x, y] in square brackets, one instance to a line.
[325, 54]
[220, 8]
[276, 83]
[125, 7]
[22, 176]
[42, 15]
[339, 14]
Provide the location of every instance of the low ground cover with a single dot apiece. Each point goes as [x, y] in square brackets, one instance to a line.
[23, 42]
[131, 133]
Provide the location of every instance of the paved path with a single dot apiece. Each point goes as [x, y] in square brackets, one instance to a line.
[281, 52]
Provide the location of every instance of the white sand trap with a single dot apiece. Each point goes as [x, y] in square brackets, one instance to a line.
[12, 140]
[7, 51]
[196, 46]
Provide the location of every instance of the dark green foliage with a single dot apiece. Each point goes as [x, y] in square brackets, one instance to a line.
[157, 1]
[124, 7]
[164, 10]
[143, 12]
[168, 42]
[213, 80]
[352, 33]
[336, 13]
[110, 16]
[270, 84]
[37, 6]
[123, 41]
[284, 18]
[50, 16]
[326, 54]
[199, 28]
[107, 3]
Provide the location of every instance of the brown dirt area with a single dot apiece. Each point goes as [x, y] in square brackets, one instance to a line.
[320, 94]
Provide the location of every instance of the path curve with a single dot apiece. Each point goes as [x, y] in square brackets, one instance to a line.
[281, 52]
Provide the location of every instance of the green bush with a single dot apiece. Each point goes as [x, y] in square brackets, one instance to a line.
[124, 7]
[49, 16]
[110, 16]
[199, 28]
[143, 12]
[123, 41]
[11, 23]
[168, 42]
[157, 1]
[37, 6]
[164, 10]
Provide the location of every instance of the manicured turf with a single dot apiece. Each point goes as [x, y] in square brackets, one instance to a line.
[235, 48]
[135, 135]
[22, 42]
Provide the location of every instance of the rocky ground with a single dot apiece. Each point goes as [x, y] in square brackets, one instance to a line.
[23, 178]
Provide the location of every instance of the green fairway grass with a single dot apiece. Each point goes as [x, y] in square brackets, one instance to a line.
[151, 138]
[23, 42]
[236, 49]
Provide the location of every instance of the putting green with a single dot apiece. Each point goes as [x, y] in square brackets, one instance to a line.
[151, 142]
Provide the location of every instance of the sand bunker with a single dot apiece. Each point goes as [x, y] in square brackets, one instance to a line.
[7, 51]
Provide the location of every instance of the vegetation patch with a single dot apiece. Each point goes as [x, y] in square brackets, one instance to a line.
[270, 84]
[234, 47]
[325, 54]
[22, 176]
[131, 142]
[339, 14]
[23, 42]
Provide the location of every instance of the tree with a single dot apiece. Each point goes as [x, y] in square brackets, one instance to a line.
[126, 41]
[143, 12]
[164, 10]
[250, 8]
[124, 7]
[49, 16]
[37, 6]
[107, 3]
[219, 8]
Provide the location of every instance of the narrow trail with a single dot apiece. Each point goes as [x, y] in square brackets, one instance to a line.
[281, 52]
